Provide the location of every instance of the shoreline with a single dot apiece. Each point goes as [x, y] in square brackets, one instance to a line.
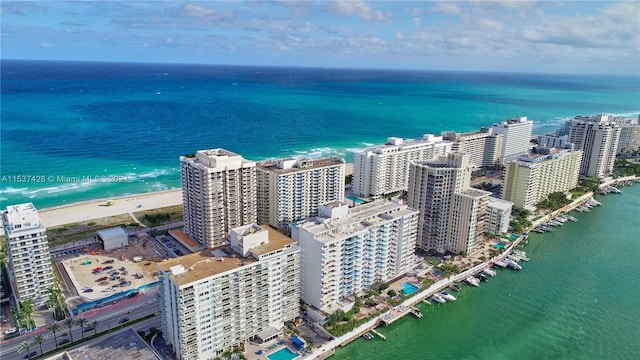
[96, 209]
[328, 349]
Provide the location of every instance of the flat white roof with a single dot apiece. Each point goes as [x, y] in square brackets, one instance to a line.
[112, 233]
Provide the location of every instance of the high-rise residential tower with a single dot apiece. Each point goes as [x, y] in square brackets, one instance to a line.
[384, 169]
[29, 262]
[516, 137]
[629, 135]
[438, 188]
[597, 136]
[292, 189]
[484, 147]
[216, 299]
[345, 250]
[533, 177]
[219, 194]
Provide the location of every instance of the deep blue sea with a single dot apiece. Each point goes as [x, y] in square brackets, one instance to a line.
[124, 125]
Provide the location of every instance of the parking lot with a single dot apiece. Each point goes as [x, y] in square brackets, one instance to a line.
[98, 276]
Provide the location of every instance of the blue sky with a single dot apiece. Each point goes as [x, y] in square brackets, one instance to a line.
[525, 36]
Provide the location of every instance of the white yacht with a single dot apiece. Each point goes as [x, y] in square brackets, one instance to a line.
[472, 281]
[514, 265]
[437, 298]
[489, 272]
[445, 295]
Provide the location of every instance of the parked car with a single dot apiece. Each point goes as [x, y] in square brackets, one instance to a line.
[102, 279]
[107, 268]
[30, 355]
[87, 290]
[63, 341]
[4, 318]
[11, 331]
[110, 261]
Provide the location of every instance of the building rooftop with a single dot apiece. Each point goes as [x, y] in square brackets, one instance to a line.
[396, 144]
[476, 193]
[112, 233]
[126, 344]
[499, 203]
[206, 263]
[359, 218]
[284, 166]
[23, 215]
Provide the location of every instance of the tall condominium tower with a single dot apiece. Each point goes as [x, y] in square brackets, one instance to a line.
[432, 188]
[344, 251]
[215, 299]
[532, 178]
[629, 135]
[468, 221]
[384, 169]
[219, 193]
[516, 139]
[292, 189]
[597, 136]
[29, 263]
[484, 147]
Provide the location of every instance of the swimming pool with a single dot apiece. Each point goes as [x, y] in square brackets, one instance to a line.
[409, 288]
[283, 354]
[499, 246]
[513, 237]
[357, 200]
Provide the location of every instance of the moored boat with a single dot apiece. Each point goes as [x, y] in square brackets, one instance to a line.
[489, 272]
[445, 295]
[368, 336]
[513, 265]
[455, 287]
[437, 298]
[472, 281]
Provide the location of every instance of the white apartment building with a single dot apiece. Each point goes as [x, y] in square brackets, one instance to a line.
[219, 194]
[384, 169]
[499, 215]
[629, 135]
[516, 137]
[532, 178]
[484, 147]
[215, 299]
[432, 185]
[345, 250]
[292, 189]
[29, 262]
[597, 136]
[553, 140]
[468, 221]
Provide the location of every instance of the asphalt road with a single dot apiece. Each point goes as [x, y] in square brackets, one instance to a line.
[107, 317]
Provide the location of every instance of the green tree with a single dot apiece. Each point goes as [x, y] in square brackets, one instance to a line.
[69, 322]
[26, 310]
[80, 322]
[38, 340]
[24, 347]
[54, 329]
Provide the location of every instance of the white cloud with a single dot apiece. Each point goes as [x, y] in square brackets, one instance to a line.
[201, 12]
[358, 8]
[446, 8]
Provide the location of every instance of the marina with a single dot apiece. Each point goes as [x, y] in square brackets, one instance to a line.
[557, 258]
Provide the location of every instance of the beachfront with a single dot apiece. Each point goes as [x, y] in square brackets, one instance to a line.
[90, 210]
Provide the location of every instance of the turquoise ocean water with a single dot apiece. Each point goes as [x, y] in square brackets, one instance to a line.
[577, 298]
[81, 131]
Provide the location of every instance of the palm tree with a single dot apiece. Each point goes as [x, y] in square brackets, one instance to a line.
[69, 322]
[26, 310]
[54, 328]
[38, 340]
[80, 322]
[25, 345]
[95, 327]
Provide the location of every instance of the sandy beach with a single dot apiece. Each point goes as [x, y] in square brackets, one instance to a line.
[97, 209]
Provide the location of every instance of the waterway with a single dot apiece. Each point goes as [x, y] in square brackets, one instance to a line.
[578, 298]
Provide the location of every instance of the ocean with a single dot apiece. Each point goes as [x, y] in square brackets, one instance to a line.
[577, 298]
[76, 131]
